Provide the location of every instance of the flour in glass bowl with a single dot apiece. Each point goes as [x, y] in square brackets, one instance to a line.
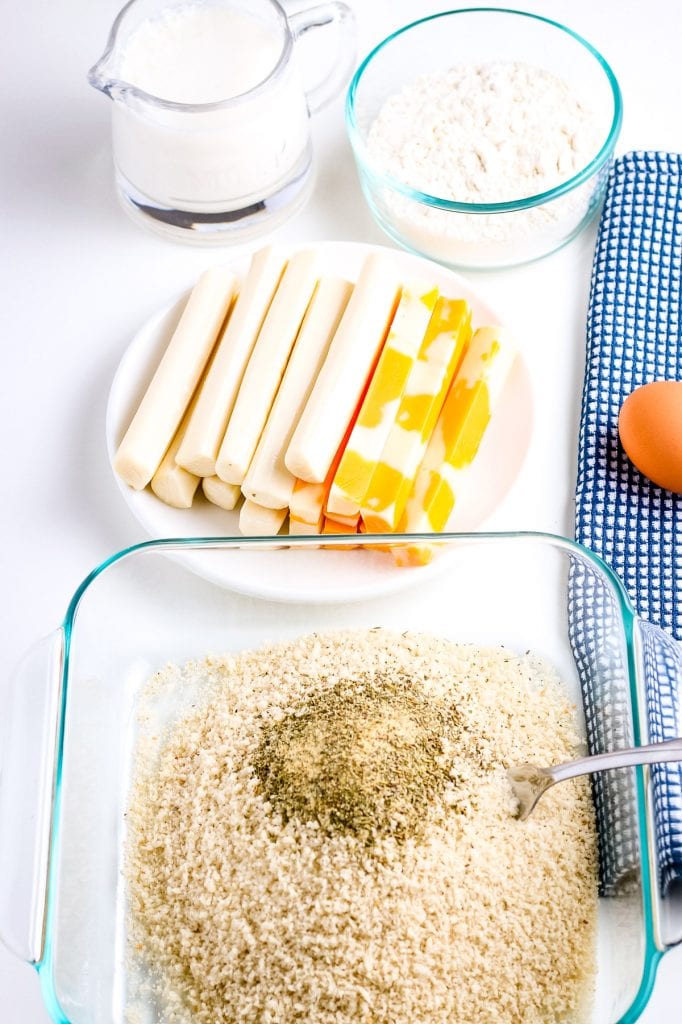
[486, 133]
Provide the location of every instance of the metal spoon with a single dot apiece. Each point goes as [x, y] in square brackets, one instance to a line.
[529, 781]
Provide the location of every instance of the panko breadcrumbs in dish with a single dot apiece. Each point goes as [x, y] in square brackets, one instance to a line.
[328, 836]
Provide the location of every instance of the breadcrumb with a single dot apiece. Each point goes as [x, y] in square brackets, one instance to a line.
[244, 914]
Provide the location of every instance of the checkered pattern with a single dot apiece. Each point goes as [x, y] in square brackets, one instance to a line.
[633, 337]
[594, 618]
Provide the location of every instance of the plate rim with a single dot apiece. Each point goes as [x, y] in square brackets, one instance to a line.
[398, 580]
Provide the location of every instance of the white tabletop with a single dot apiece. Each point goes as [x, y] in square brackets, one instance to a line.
[79, 278]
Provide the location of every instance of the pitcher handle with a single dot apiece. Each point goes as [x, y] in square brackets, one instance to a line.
[341, 17]
[28, 748]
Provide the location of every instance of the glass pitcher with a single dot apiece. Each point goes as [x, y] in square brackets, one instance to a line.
[230, 169]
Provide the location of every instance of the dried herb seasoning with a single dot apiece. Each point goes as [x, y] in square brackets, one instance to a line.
[362, 757]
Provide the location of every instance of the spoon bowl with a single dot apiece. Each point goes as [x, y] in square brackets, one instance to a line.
[530, 782]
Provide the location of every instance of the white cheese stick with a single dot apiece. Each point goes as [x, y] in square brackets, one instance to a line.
[167, 397]
[256, 521]
[351, 357]
[171, 483]
[219, 493]
[199, 449]
[299, 528]
[266, 367]
[307, 502]
[268, 481]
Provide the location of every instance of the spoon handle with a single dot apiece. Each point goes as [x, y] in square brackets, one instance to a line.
[671, 750]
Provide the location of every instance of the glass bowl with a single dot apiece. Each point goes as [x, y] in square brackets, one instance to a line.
[482, 235]
[66, 760]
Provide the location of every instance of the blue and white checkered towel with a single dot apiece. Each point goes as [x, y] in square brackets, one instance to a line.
[633, 337]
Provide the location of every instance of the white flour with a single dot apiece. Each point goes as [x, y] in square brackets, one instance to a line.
[484, 134]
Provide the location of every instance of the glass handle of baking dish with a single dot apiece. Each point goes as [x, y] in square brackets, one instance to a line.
[28, 748]
[340, 17]
[660, 663]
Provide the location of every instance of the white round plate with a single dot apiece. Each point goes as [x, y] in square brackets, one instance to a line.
[312, 575]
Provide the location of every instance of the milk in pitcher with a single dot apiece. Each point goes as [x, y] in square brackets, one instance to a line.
[229, 125]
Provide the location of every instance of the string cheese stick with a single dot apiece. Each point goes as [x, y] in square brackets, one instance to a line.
[362, 528]
[307, 504]
[159, 414]
[308, 500]
[256, 521]
[454, 444]
[441, 352]
[351, 523]
[268, 481]
[171, 483]
[342, 379]
[331, 528]
[219, 493]
[199, 449]
[266, 367]
[381, 403]
[299, 528]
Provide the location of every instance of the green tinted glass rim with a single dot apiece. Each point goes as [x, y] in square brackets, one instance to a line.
[651, 954]
[378, 177]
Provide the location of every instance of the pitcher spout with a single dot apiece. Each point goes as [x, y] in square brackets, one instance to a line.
[100, 76]
[103, 74]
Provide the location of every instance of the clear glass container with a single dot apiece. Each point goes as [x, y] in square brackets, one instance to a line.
[66, 759]
[233, 169]
[482, 235]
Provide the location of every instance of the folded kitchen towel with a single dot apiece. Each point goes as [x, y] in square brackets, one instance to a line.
[633, 337]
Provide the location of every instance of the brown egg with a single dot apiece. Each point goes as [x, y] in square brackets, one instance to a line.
[650, 428]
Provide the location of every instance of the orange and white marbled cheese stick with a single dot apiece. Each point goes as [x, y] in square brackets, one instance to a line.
[382, 400]
[443, 347]
[454, 444]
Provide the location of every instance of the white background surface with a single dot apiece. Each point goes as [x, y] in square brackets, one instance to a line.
[78, 278]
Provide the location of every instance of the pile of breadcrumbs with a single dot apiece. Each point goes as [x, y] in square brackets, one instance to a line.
[250, 902]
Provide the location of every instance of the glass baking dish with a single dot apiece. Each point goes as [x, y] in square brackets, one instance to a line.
[65, 767]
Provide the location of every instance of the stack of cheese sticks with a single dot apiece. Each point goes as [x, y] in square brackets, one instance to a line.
[316, 404]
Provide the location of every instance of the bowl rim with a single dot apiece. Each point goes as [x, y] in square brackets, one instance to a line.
[369, 168]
